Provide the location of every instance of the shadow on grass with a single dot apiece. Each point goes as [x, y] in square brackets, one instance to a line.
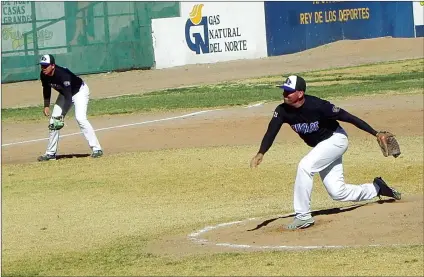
[323, 212]
[70, 156]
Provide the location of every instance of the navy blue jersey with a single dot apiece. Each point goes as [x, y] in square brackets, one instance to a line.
[64, 81]
[314, 121]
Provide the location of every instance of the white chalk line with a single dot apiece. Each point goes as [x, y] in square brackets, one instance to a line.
[118, 126]
[255, 105]
[195, 237]
[128, 125]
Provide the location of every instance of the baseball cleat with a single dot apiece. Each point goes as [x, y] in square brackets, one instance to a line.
[300, 224]
[47, 157]
[97, 154]
[385, 190]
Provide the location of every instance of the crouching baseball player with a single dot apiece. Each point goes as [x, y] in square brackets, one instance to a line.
[316, 121]
[72, 90]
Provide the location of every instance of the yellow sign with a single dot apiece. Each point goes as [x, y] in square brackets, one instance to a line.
[340, 15]
[17, 39]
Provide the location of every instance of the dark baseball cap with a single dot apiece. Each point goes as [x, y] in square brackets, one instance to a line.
[47, 59]
[294, 83]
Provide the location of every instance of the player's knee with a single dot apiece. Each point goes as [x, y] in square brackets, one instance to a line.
[81, 120]
[338, 195]
[305, 166]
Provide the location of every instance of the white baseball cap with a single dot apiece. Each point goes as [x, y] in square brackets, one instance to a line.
[47, 59]
[294, 83]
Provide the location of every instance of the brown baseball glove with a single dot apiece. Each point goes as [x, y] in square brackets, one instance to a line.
[388, 144]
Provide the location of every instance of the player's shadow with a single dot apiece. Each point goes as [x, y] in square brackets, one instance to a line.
[70, 156]
[321, 212]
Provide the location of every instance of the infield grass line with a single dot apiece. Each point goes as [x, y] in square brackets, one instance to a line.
[405, 77]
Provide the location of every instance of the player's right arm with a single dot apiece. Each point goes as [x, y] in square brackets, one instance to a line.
[274, 127]
[47, 92]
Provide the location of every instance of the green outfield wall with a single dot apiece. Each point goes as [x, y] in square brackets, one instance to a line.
[87, 37]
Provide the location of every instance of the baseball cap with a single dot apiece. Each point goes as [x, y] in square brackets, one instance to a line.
[294, 83]
[47, 59]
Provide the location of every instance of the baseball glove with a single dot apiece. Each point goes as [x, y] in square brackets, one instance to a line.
[388, 144]
[57, 124]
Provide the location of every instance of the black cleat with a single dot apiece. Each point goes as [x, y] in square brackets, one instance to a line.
[97, 154]
[385, 190]
[47, 157]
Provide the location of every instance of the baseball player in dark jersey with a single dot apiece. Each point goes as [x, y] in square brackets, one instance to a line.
[316, 121]
[72, 90]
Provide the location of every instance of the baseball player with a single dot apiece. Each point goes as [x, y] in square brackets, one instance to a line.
[316, 121]
[72, 90]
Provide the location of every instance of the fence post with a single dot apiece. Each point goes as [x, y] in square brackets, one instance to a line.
[35, 36]
[34, 30]
[107, 34]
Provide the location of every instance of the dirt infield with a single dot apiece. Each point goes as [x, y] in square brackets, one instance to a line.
[242, 126]
[233, 126]
[334, 227]
[354, 226]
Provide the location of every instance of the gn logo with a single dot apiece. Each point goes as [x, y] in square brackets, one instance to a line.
[197, 33]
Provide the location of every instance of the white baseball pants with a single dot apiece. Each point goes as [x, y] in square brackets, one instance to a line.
[326, 159]
[80, 101]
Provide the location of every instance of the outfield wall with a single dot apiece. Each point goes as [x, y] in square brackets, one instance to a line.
[260, 29]
[297, 26]
[419, 18]
[210, 32]
[87, 37]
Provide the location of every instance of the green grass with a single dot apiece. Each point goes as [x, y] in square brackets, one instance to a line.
[80, 225]
[127, 258]
[236, 93]
[389, 78]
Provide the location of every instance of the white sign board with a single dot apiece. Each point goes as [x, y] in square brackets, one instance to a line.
[418, 13]
[209, 32]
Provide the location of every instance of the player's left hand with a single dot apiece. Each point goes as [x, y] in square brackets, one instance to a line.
[256, 160]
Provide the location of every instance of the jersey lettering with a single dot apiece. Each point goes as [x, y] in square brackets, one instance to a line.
[305, 128]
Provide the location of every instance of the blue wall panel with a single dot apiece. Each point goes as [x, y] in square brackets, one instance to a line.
[288, 31]
[419, 30]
